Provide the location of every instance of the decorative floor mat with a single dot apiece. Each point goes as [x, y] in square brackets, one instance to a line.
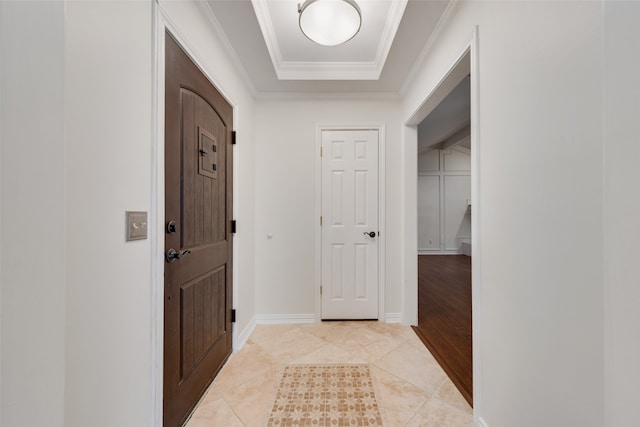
[325, 395]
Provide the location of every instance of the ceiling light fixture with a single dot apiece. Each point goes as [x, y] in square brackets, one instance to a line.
[329, 22]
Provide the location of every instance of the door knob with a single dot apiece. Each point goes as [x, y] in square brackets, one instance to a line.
[370, 233]
[173, 255]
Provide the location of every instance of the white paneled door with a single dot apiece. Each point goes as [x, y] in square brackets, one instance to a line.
[350, 231]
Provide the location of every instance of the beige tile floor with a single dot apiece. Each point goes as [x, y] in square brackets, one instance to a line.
[412, 389]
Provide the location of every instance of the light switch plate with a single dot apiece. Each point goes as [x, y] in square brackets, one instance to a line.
[136, 225]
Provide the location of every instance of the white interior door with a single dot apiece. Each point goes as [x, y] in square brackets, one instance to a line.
[350, 224]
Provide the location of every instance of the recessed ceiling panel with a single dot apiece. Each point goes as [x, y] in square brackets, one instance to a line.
[295, 57]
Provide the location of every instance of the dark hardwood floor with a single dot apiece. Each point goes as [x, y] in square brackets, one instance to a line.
[444, 315]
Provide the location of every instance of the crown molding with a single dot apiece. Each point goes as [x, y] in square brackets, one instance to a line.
[329, 70]
[268, 32]
[390, 29]
[338, 96]
[444, 19]
[217, 28]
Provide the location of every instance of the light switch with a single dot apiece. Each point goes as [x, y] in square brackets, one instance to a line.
[136, 225]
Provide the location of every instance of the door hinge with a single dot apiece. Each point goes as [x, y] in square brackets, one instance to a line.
[320, 221]
[320, 151]
[320, 290]
[233, 226]
[233, 137]
[233, 316]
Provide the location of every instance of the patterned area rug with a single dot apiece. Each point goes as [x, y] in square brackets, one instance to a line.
[325, 395]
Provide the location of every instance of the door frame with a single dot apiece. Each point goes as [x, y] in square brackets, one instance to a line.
[466, 62]
[161, 23]
[381, 215]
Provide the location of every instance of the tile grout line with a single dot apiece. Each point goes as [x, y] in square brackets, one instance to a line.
[448, 404]
[403, 380]
[233, 410]
[434, 398]
[277, 372]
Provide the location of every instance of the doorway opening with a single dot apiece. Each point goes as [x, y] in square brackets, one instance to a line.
[444, 236]
[449, 238]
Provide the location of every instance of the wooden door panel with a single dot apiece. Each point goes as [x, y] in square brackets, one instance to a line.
[203, 187]
[202, 317]
[198, 198]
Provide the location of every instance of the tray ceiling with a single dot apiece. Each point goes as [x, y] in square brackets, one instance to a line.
[277, 58]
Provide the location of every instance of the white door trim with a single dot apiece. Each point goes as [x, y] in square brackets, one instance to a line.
[467, 62]
[381, 213]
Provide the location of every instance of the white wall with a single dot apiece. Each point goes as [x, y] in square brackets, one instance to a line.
[621, 207]
[108, 119]
[444, 189]
[286, 194]
[33, 205]
[540, 180]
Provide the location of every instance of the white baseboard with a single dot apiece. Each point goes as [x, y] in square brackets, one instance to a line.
[241, 337]
[482, 422]
[283, 319]
[428, 251]
[452, 252]
[392, 317]
[280, 319]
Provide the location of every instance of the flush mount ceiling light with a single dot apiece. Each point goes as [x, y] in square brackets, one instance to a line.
[329, 22]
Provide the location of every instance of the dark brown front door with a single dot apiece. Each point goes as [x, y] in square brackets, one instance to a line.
[198, 239]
